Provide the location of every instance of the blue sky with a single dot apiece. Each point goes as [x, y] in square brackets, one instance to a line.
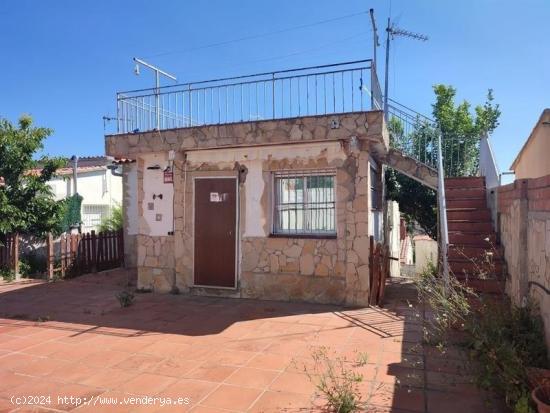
[63, 61]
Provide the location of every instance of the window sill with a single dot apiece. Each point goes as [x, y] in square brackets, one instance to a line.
[304, 236]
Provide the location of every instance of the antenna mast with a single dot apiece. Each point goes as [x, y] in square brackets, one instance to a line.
[391, 32]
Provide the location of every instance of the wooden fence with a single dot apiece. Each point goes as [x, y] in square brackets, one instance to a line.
[9, 252]
[83, 253]
[379, 263]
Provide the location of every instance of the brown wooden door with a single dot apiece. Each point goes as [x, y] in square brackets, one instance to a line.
[215, 231]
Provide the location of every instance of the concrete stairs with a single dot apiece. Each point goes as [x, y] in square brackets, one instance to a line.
[474, 255]
[412, 168]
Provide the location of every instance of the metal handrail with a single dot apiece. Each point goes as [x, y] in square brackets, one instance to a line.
[348, 87]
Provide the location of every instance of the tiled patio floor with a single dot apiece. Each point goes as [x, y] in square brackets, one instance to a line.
[72, 339]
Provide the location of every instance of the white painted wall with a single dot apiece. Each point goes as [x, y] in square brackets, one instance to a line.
[158, 214]
[252, 158]
[131, 200]
[394, 242]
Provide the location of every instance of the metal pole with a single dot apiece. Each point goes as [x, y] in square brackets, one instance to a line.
[444, 232]
[388, 33]
[157, 94]
[375, 38]
[75, 167]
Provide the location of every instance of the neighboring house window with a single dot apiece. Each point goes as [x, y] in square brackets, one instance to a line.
[304, 203]
[92, 215]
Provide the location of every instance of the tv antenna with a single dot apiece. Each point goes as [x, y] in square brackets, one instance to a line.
[158, 73]
[391, 32]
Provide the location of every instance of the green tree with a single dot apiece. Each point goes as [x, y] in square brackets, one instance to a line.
[112, 222]
[460, 131]
[27, 205]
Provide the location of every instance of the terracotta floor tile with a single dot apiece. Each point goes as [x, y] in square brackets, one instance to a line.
[195, 390]
[249, 377]
[146, 384]
[164, 349]
[105, 358]
[138, 362]
[232, 397]
[456, 403]
[276, 402]
[211, 372]
[74, 352]
[268, 361]
[231, 357]
[40, 367]
[45, 349]
[174, 367]
[69, 372]
[293, 383]
[252, 345]
[108, 378]
[204, 409]
[198, 352]
[13, 360]
[10, 380]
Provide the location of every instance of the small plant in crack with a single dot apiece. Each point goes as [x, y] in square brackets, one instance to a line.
[336, 379]
[125, 298]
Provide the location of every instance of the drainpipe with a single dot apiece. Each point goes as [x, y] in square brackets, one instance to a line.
[74, 159]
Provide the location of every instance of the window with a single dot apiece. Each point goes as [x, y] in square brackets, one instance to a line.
[92, 215]
[304, 204]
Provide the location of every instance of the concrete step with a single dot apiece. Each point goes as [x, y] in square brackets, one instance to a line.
[472, 268]
[470, 214]
[468, 226]
[474, 252]
[472, 238]
[486, 286]
[465, 182]
[462, 193]
[467, 203]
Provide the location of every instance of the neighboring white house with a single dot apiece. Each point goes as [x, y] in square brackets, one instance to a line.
[99, 188]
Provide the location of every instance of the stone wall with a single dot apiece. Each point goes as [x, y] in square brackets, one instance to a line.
[524, 222]
[368, 126]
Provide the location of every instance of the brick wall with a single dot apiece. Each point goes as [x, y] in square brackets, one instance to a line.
[524, 223]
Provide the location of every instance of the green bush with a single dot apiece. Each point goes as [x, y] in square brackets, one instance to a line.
[35, 264]
[7, 274]
[125, 298]
[505, 340]
[114, 222]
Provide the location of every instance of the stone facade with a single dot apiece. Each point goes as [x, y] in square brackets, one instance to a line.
[327, 270]
[524, 223]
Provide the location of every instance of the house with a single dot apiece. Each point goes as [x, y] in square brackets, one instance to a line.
[260, 187]
[100, 189]
[532, 160]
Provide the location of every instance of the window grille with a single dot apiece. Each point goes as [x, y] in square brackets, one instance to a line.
[304, 203]
[92, 215]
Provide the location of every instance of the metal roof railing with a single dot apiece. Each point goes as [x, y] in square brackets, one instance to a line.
[308, 91]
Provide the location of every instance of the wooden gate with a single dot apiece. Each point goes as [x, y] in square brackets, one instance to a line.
[84, 253]
[379, 263]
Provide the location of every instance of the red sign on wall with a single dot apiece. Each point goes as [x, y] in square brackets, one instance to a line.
[168, 176]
